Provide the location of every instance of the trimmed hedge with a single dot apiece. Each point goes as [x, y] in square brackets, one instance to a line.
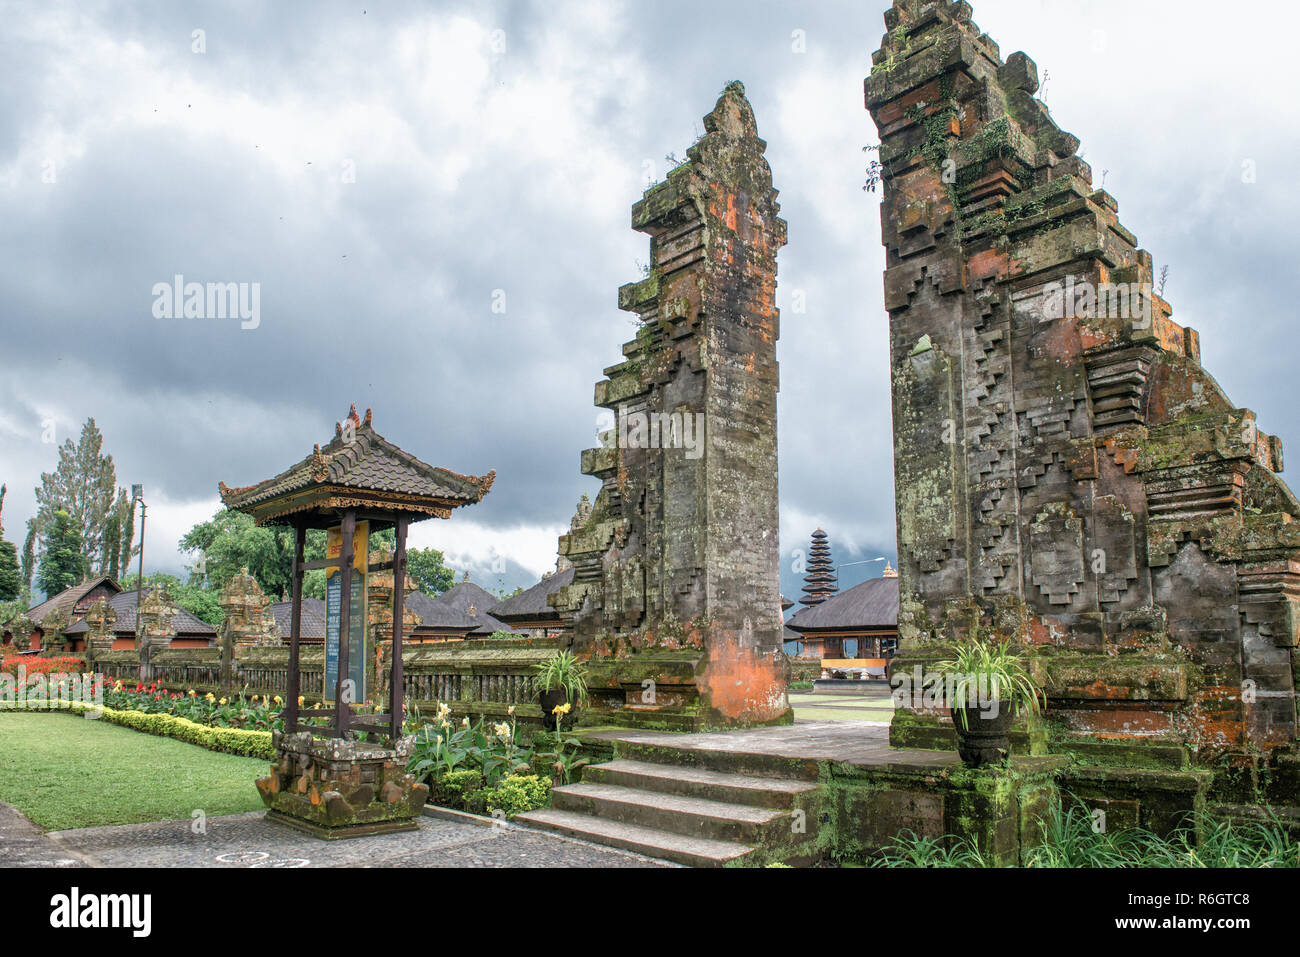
[253, 744]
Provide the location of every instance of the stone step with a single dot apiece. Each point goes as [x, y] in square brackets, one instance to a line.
[689, 816]
[654, 718]
[665, 845]
[699, 783]
[723, 761]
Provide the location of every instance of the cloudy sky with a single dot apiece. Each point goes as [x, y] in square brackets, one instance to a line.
[388, 171]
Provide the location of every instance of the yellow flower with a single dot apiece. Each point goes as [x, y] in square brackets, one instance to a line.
[301, 699]
[511, 711]
[210, 697]
[562, 708]
[222, 701]
[193, 693]
[279, 700]
[501, 730]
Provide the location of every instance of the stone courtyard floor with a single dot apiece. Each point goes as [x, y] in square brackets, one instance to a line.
[247, 840]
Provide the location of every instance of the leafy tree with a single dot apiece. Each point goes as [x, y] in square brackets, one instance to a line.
[231, 542]
[425, 567]
[84, 485]
[29, 556]
[62, 562]
[115, 559]
[203, 603]
[11, 582]
[10, 575]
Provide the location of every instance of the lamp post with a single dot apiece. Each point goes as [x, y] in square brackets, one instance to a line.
[137, 495]
[851, 564]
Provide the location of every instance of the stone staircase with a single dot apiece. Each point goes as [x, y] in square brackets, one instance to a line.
[672, 805]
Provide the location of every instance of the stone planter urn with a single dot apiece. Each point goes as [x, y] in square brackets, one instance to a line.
[983, 739]
[549, 701]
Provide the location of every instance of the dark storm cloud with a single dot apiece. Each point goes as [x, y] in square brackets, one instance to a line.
[509, 161]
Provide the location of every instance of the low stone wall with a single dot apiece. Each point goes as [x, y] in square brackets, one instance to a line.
[802, 669]
[480, 678]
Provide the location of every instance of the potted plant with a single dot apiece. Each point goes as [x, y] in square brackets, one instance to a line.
[562, 681]
[987, 684]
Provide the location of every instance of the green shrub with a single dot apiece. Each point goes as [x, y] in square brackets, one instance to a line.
[516, 794]
[454, 788]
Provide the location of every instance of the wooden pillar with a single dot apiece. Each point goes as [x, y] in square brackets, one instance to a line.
[342, 708]
[399, 602]
[295, 629]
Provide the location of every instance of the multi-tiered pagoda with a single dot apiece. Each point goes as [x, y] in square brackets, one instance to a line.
[820, 583]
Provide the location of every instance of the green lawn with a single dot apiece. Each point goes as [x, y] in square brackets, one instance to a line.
[824, 707]
[65, 772]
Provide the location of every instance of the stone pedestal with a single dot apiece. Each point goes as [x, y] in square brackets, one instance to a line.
[336, 789]
[999, 810]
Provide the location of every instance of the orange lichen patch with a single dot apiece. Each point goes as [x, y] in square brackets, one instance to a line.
[1091, 337]
[1125, 457]
[1120, 722]
[731, 212]
[1040, 632]
[988, 264]
[741, 685]
[1101, 690]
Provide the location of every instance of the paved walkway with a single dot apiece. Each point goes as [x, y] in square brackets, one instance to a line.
[851, 742]
[23, 845]
[247, 840]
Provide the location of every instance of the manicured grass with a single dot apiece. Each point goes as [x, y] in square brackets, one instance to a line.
[824, 707]
[65, 772]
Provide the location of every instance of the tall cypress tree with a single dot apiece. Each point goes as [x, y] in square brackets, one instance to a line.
[85, 486]
[10, 576]
[62, 564]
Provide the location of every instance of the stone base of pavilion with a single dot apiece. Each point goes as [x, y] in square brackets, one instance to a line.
[333, 788]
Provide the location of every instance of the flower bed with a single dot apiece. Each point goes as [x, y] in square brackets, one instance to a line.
[481, 768]
[255, 713]
[33, 666]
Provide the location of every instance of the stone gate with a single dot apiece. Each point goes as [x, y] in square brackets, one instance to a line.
[675, 598]
[1067, 473]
